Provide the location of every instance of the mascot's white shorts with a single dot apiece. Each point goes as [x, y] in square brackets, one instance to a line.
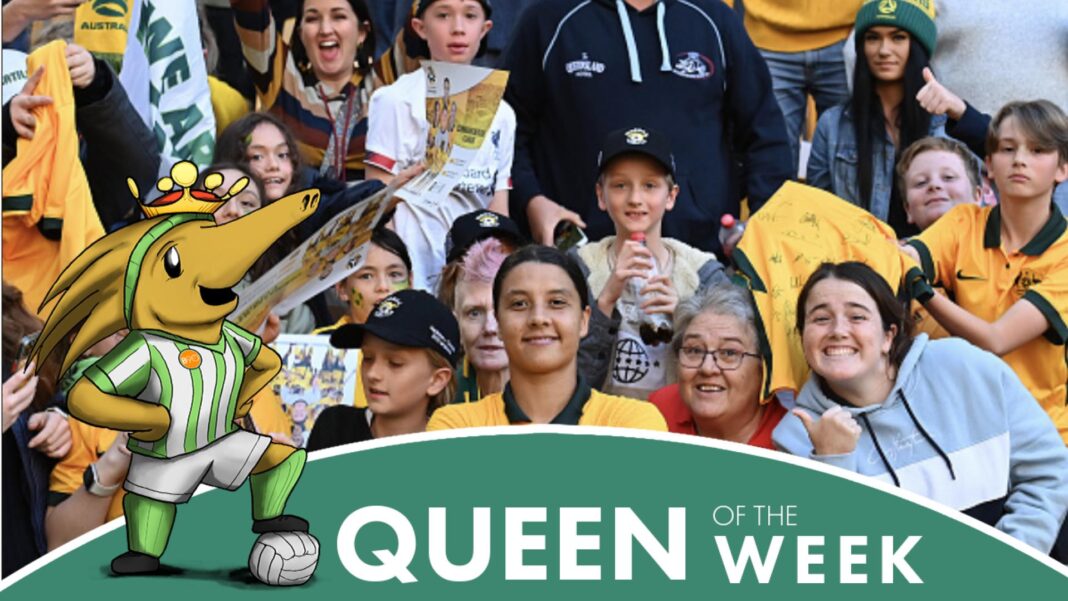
[225, 463]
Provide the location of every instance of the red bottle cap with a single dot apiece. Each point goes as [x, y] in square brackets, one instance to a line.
[638, 237]
[727, 221]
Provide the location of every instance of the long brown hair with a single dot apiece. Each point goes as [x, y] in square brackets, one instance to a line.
[19, 322]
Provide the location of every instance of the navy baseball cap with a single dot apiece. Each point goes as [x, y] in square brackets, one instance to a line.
[479, 225]
[408, 318]
[640, 140]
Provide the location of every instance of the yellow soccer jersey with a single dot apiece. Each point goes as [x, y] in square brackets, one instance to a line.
[962, 253]
[587, 408]
[48, 214]
[88, 444]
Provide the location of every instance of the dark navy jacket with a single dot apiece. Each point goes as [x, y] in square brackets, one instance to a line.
[572, 82]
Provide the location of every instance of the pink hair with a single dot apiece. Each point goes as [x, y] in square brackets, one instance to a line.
[481, 262]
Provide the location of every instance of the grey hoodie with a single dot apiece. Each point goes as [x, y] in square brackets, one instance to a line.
[959, 428]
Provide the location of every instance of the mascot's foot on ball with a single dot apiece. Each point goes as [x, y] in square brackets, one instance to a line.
[132, 563]
[282, 523]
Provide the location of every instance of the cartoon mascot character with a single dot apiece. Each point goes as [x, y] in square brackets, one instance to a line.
[184, 374]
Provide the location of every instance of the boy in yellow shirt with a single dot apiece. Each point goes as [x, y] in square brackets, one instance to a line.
[1007, 266]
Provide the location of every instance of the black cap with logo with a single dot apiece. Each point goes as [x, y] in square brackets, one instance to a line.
[640, 140]
[479, 225]
[409, 318]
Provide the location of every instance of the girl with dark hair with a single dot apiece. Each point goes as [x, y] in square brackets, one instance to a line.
[266, 146]
[264, 143]
[856, 144]
[976, 440]
[319, 81]
[542, 304]
[386, 269]
[298, 321]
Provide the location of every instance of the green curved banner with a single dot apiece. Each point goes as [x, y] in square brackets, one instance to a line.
[570, 514]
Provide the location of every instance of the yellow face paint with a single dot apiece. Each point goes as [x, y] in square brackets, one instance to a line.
[400, 285]
[356, 298]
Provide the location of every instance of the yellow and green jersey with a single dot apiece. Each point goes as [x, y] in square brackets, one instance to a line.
[962, 252]
[197, 383]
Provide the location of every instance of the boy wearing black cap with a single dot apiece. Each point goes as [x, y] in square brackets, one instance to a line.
[636, 187]
[450, 31]
[409, 344]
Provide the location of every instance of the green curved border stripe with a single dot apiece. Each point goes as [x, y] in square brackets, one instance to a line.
[540, 467]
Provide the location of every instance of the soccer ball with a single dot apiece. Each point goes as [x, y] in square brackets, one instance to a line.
[284, 558]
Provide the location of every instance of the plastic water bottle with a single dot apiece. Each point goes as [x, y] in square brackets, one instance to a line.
[730, 232]
[653, 328]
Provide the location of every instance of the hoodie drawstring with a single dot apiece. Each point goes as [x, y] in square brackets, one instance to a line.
[919, 426]
[632, 48]
[923, 432]
[879, 448]
[665, 62]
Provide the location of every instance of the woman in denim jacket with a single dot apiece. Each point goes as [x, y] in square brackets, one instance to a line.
[856, 143]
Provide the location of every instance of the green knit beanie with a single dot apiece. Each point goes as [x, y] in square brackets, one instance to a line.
[914, 16]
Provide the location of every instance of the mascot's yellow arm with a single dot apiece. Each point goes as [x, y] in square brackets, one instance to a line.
[144, 421]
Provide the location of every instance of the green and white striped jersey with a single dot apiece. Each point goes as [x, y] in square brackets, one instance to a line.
[197, 383]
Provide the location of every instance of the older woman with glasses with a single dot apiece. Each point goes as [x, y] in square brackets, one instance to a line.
[719, 371]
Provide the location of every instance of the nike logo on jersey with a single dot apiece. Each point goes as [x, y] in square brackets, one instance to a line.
[961, 276]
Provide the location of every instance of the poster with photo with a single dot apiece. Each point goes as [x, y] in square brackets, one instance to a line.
[335, 251]
[461, 102]
[314, 376]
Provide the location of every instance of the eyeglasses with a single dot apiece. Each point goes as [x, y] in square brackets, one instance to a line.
[725, 359]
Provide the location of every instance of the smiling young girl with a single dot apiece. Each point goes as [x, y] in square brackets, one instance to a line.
[386, 269]
[940, 418]
[452, 31]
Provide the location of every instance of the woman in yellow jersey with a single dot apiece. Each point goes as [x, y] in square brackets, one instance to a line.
[386, 269]
[542, 305]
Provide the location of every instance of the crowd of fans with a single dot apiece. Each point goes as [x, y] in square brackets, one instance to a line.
[642, 122]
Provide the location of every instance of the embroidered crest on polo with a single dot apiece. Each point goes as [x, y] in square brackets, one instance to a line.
[636, 136]
[387, 307]
[488, 220]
